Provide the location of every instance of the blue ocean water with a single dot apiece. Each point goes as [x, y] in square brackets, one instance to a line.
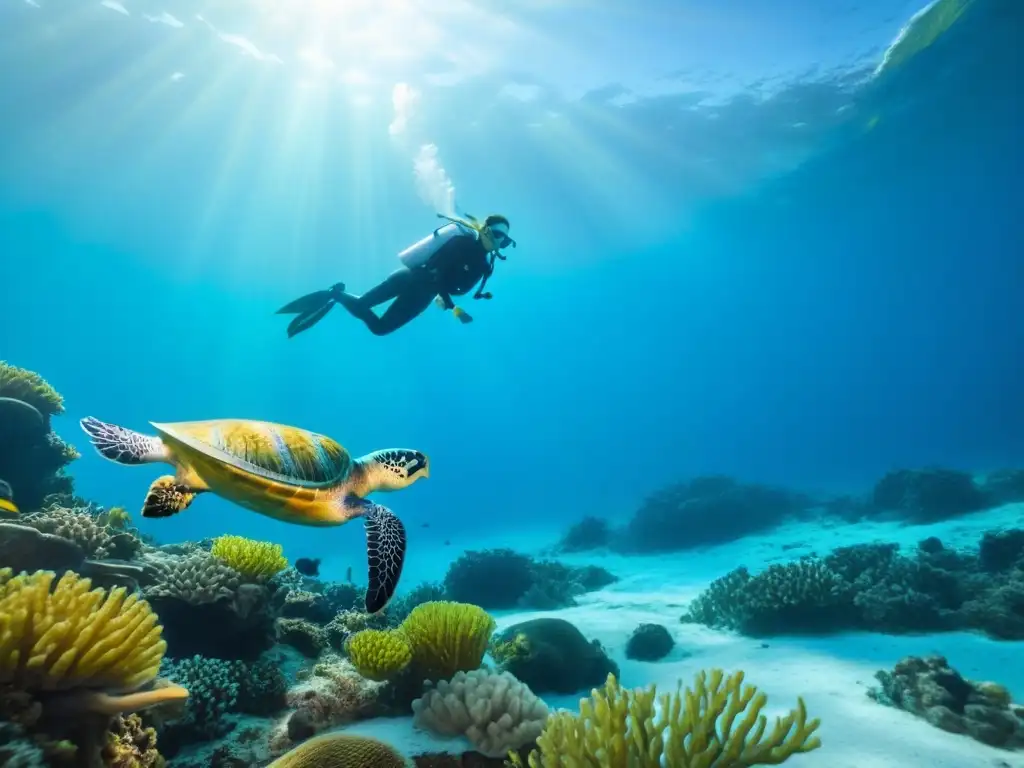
[745, 246]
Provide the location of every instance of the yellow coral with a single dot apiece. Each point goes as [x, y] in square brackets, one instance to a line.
[29, 387]
[342, 750]
[74, 637]
[257, 560]
[691, 729]
[447, 637]
[379, 654]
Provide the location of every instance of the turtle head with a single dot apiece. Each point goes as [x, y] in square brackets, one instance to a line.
[394, 468]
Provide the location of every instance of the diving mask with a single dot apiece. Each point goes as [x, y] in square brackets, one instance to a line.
[499, 234]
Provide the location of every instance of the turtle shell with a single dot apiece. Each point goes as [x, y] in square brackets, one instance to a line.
[272, 451]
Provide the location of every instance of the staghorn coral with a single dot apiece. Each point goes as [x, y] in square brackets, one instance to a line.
[341, 750]
[74, 636]
[79, 525]
[255, 560]
[130, 745]
[447, 637]
[379, 655]
[493, 710]
[717, 724]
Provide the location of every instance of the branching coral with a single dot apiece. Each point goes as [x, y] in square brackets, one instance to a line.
[254, 560]
[130, 745]
[717, 724]
[75, 636]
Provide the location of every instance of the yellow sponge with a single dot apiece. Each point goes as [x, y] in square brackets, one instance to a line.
[447, 637]
[340, 750]
[379, 654]
[73, 637]
[717, 724]
[256, 560]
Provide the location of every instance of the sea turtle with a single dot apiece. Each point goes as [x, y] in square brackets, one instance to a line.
[283, 472]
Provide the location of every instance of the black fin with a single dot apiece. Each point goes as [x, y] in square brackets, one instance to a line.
[308, 303]
[385, 555]
[307, 320]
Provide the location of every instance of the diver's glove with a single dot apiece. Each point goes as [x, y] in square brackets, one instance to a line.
[463, 315]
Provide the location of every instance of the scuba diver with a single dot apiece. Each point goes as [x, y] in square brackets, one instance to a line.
[448, 262]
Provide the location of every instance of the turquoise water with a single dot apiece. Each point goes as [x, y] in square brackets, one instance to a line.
[758, 241]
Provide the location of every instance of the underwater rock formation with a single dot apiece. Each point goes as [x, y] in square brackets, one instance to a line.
[649, 642]
[588, 534]
[929, 688]
[690, 514]
[874, 587]
[552, 656]
[32, 457]
[503, 578]
[929, 494]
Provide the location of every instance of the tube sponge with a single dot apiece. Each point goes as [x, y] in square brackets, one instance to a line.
[447, 637]
[255, 560]
[493, 710]
[716, 725]
[340, 750]
[378, 654]
[74, 637]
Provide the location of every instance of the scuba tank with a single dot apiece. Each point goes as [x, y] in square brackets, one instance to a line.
[420, 252]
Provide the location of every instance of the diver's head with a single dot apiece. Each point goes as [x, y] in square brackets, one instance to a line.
[494, 233]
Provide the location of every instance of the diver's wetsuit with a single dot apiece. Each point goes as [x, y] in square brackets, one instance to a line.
[452, 271]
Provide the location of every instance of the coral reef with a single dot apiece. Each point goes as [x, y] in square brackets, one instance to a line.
[588, 534]
[96, 538]
[929, 688]
[929, 494]
[552, 656]
[256, 561]
[503, 578]
[874, 587]
[304, 636]
[130, 745]
[687, 515]
[379, 654]
[198, 590]
[33, 459]
[649, 642]
[333, 694]
[717, 722]
[493, 710]
[447, 637]
[339, 750]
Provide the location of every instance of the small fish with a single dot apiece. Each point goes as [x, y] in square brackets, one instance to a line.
[7, 505]
[307, 566]
[447, 543]
[426, 525]
[348, 574]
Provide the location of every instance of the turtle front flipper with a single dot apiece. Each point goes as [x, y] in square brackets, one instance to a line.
[121, 445]
[385, 551]
[166, 497]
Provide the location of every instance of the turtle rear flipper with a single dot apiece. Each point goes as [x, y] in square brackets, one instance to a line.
[166, 497]
[121, 445]
[385, 551]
